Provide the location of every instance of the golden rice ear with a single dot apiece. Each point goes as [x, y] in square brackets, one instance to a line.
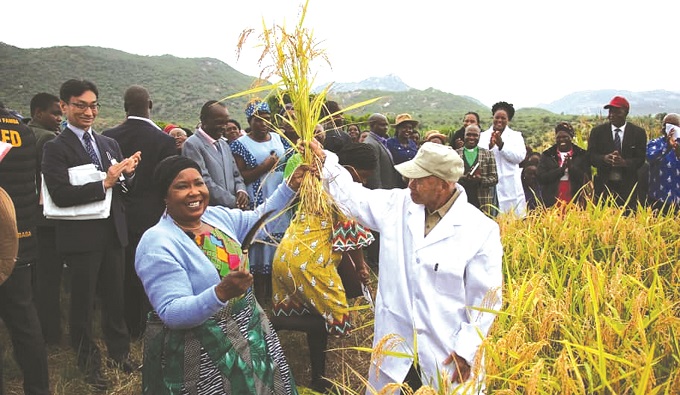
[425, 390]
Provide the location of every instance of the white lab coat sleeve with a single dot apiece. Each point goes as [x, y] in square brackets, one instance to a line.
[372, 208]
[483, 283]
[514, 150]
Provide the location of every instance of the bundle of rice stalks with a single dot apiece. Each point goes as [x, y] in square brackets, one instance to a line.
[304, 275]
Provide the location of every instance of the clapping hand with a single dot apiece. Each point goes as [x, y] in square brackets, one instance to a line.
[132, 163]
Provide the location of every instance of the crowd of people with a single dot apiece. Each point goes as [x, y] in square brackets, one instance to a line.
[179, 258]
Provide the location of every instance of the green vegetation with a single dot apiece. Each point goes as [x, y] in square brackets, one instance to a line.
[179, 87]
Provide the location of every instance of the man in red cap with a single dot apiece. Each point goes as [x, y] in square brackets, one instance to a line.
[617, 150]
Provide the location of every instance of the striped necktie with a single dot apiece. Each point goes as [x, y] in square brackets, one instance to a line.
[617, 140]
[87, 138]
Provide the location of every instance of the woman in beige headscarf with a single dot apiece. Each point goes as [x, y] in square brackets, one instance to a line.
[9, 242]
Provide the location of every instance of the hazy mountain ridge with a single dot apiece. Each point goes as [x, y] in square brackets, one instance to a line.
[592, 102]
[179, 87]
[388, 83]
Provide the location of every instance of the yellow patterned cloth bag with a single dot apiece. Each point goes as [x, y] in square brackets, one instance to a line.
[304, 274]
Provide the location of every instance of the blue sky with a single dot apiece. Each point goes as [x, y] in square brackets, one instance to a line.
[526, 52]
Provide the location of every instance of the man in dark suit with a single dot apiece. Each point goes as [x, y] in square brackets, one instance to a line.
[143, 205]
[93, 249]
[218, 167]
[617, 149]
[384, 176]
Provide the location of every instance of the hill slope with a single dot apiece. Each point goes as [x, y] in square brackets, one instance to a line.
[592, 102]
[178, 87]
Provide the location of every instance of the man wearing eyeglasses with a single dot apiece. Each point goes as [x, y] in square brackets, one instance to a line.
[93, 248]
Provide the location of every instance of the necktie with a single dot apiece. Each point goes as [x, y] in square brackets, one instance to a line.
[87, 138]
[617, 140]
[217, 145]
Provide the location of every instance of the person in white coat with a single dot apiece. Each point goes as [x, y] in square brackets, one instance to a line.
[508, 147]
[440, 258]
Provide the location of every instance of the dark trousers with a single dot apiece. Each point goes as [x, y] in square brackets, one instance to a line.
[92, 271]
[620, 191]
[373, 252]
[48, 285]
[21, 318]
[413, 378]
[137, 304]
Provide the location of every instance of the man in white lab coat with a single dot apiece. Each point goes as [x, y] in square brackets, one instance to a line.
[440, 258]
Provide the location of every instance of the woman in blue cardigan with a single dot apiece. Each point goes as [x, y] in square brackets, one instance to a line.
[207, 335]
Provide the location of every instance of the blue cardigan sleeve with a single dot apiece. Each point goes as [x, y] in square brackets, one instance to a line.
[179, 285]
[177, 277]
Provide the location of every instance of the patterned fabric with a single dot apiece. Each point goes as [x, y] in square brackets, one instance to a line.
[87, 138]
[305, 276]
[234, 352]
[664, 172]
[257, 106]
[253, 153]
[484, 192]
[400, 153]
[222, 251]
[349, 235]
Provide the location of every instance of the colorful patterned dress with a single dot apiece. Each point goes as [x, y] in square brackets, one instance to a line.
[234, 352]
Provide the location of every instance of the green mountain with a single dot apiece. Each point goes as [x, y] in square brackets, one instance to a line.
[178, 86]
[433, 108]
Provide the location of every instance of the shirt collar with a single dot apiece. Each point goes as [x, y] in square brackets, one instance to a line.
[622, 128]
[441, 211]
[206, 136]
[147, 120]
[79, 132]
[383, 140]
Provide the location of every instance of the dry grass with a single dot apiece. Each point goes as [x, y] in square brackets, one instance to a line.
[66, 379]
[591, 306]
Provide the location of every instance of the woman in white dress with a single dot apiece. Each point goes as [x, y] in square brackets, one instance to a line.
[508, 147]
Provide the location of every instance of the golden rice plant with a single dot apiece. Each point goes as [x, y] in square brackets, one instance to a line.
[591, 304]
[289, 56]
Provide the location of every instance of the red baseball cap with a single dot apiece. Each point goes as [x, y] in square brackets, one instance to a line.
[619, 102]
[169, 127]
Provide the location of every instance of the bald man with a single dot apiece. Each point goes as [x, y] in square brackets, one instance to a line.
[385, 176]
[663, 156]
[143, 205]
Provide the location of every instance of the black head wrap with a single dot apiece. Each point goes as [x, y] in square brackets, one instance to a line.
[361, 156]
[168, 169]
[565, 126]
